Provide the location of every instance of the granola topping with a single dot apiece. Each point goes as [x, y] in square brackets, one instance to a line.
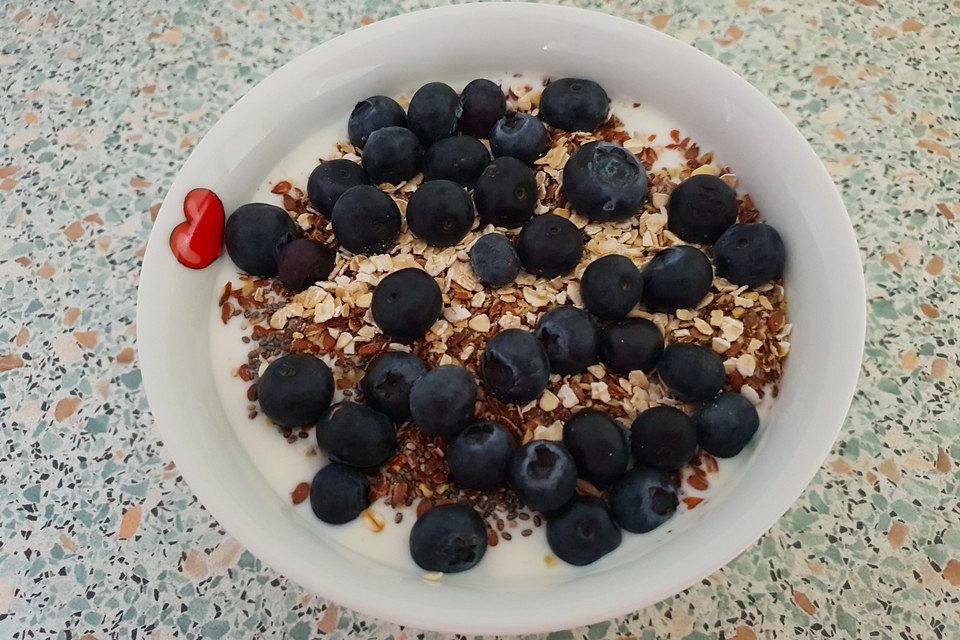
[332, 319]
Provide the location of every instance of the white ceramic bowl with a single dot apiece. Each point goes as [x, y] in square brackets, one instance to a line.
[719, 109]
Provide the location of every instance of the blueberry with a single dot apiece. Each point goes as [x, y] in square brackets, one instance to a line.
[494, 260]
[663, 438]
[726, 424]
[644, 499]
[386, 383]
[573, 104]
[633, 344]
[750, 254]
[583, 531]
[392, 155]
[406, 303]
[506, 193]
[479, 457]
[550, 246]
[376, 112]
[434, 112]
[676, 278]
[442, 401]
[570, 338]
[330, 179]
[543, 475]
[303, 263]
[295, 390]
[598, 445]
[515, 366]
[701, 208]
[460, 158]
[611, 287]
[338, 493]
[604, 182]
[254, 235]
[691, 372]
[519, 136]
[440, 213]
[366, 220]
[482, 103]
[356, 435]
[449, 538]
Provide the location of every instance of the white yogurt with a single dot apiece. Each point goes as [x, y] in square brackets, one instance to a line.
[285, 465]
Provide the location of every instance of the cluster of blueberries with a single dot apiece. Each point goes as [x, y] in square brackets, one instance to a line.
[602, 181]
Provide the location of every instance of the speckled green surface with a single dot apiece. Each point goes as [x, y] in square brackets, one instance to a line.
[100, 538]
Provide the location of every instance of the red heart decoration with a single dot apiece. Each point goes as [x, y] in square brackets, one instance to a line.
[197, 242]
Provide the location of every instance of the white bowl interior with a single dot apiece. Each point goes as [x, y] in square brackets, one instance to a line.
[720, 110]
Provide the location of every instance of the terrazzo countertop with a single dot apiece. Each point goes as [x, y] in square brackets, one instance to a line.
[101, 538]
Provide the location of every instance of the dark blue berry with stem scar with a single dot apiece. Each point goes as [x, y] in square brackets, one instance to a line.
[366, 220]
[254, 235]
[750, 254]
[459, 158]
[376, 112]
[434, 112]
[506, 193]
[482, 103]
[387, 381]
[449, 538]
[519, 136]
[676, 278]
[611, 287]
[598, 445]
[726, 424]
[582, 531]
[644, 499]
[543, 475]
[494, 260]
[701, 208]
[440, 213]
[515, 366]
[574, 104]
[295, 390]
[570, 338]
[406, 303]
[691, 372]
[392, 155]
[550, 246]
[479, 457]
[356, 435]
[330, 180]
[663, 438]
[442, 401]
[303, 263]
[338, 493]
[605, 182]
[632, 344]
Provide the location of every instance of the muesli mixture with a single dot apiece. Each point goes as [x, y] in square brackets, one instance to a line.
[745, 325]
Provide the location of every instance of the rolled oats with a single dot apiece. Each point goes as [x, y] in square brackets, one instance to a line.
[480, 323]
[746, 365]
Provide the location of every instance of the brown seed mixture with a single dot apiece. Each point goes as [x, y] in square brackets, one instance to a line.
[332, 319]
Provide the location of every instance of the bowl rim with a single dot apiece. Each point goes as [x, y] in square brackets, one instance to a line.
[191, 463]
